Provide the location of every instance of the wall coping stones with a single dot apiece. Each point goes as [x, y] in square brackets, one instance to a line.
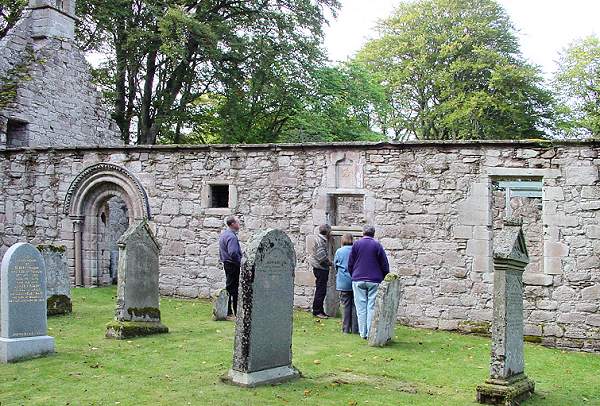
[322, 145]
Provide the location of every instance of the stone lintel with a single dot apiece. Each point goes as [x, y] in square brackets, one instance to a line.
[259, 378]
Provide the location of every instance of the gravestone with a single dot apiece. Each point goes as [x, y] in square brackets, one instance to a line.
[263, 331]
[385, 312]
[23, 323]
[58, 281]
[220, 301]
[331, 304]
[138, 310]
[508, 384]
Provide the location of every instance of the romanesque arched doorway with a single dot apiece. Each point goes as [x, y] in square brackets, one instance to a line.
[102, 201]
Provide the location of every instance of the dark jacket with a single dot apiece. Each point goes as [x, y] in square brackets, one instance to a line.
[229, 247]
[368, 261]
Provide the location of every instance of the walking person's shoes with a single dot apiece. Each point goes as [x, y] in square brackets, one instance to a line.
[321, 316]
[231, 317]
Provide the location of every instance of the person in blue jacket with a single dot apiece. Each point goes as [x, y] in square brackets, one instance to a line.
[368, 265]
[343, 284]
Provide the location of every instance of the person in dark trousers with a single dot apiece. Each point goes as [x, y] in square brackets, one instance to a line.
[368, 265]
[343, 283]
[231, 257]
[318, 258]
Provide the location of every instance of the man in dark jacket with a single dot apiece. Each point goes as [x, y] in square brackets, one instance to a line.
[318, 258]
[368, 265]
[231, 257]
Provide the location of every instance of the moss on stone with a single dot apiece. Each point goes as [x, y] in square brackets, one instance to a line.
[59, 304]
[511, 394]
[391, 277]
[121, 330]
[144, 312]
[52, 248]
[475, 327]
[11, 80]
[533, 339]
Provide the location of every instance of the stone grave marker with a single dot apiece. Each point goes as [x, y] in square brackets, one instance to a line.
[58, 281]
[508, 384]
[263, 332]
[23, 322]
[220, 301]
[385, 312]
[138, 299]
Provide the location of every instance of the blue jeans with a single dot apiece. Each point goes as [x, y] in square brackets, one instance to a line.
[364, 300]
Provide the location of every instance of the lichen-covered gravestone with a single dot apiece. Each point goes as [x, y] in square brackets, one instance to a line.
[263, 331]
[220, 304]
[138, 310]
[58, 282]
[23, 322]
[508, 384]
[385, 312]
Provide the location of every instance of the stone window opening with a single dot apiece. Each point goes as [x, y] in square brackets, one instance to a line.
[219, 196]
[16, 133]
[522, 198]
[531, 188]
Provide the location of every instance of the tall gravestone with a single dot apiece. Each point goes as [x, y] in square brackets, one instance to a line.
[23, 323]
[58, 281]
[138, 310]
[263, 331]
[508, 384]
[385, 312]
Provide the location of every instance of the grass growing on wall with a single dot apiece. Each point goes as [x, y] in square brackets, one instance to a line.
[183, 367]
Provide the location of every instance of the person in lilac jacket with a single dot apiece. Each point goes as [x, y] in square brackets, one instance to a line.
[368, 265]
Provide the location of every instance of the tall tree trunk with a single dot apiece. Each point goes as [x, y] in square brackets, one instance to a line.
[146, 121]
[120, 114]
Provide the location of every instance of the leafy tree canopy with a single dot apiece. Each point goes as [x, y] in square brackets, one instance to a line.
[577, 84]
[452, 69]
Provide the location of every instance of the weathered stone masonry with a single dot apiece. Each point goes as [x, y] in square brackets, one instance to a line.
[433, 204]
[46, 93]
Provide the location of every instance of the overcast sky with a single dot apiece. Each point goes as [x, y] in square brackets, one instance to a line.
[545, 26]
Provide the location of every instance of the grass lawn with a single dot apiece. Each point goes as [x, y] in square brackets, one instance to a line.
[183, 367]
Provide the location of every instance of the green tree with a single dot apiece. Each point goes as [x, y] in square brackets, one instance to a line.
[577, 84]
[10, 12]
[452, 69]
[341, 107]
[204, 71]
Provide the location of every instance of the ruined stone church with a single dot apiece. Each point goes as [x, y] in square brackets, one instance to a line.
[67, 179]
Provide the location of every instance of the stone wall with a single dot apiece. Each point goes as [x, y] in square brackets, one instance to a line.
[46, 93]
[432, 203]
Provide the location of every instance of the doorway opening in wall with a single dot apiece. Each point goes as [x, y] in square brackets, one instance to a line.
[521, 198]
[345, 214]
[16, 134]
[112, 222]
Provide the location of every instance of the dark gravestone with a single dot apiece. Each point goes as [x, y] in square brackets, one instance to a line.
[138, 310]
[23, 323]
[58, 281]
[385, 312]
[263, 332]
[508, 384]
[220, 301]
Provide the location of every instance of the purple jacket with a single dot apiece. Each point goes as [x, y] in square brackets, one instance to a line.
[368, 261]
